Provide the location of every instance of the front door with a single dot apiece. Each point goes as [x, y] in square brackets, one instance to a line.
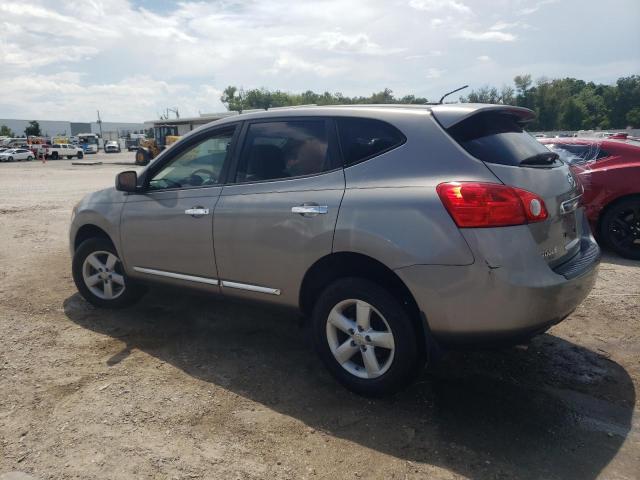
[278, 215]
[166, 231]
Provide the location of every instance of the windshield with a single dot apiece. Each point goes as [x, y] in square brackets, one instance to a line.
[90, 140]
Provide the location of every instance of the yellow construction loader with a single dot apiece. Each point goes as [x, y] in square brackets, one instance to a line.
[150, 148]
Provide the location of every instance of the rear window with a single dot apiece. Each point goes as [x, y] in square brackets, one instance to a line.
[496, 137]
[578, 153]
[363, 138]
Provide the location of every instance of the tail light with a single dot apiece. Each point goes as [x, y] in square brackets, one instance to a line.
[475, 204]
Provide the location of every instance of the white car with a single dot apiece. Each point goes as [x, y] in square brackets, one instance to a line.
[112, 147]
[60, 150]
[18, 154]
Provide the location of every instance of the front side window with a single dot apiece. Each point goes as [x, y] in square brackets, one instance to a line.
[279, 150]
[198, 166]
[363, 138]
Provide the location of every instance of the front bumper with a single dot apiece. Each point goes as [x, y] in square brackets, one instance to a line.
[509, 297]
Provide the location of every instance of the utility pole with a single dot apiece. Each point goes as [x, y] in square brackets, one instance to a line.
[100, 123]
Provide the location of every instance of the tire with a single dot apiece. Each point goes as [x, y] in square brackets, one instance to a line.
[10, 159]
[80, 155]
[54, 156]
[620, 228]
[396, 366]
[29, 158]
[122, 291]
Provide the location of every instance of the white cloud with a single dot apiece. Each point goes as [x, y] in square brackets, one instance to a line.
[434, 73]
[489, 36]
[66, 58]
[535, 7]
[498, 26]
[432, 5]
[287, 63]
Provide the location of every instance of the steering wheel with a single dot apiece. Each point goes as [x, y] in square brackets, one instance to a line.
[209, 173]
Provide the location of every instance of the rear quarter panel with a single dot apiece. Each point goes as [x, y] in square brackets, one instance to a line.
[391, 210]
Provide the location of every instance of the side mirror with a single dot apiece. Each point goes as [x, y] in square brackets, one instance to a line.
[127, 181]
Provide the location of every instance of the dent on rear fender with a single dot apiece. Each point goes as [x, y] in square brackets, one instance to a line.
[400, 227]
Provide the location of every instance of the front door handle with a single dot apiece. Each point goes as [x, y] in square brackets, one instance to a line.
[197, 211]
[310, 210]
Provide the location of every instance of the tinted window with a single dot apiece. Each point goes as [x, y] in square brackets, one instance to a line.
[274, 150]
[198, 166]
[362, 138]
[499, 138]
[574, 154]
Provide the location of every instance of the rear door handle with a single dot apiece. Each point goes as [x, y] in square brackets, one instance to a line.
[197, 211]
[310, 210]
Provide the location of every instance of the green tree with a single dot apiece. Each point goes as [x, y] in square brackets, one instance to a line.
[633, 117]
[33, 129]
[6, 132]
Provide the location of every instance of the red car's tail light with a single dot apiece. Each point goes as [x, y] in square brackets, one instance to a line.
[476, 204]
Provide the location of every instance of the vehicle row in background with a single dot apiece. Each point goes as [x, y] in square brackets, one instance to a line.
[16, 154]
[609, 170]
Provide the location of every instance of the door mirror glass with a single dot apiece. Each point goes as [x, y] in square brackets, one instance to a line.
[127, 181]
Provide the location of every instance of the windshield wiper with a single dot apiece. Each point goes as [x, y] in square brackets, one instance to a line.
[546, 158]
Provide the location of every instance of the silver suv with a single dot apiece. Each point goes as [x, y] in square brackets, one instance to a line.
[397, 230]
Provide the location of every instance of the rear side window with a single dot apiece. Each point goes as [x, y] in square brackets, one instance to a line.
[285, 149]
[364, 138]
[495, 137]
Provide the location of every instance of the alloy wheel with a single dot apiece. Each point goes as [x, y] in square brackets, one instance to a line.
[360, 338]
[103, 275]
[624, 229]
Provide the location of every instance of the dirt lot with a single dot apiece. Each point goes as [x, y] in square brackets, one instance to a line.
[183, 386]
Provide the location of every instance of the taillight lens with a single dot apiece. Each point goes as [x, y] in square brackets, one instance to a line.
[476, 204]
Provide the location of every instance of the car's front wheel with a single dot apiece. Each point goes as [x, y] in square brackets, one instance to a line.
[100, 277]
[80, 155]
[365, 337]
[620, 228]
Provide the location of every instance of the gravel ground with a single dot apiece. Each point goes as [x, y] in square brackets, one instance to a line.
[183, 386]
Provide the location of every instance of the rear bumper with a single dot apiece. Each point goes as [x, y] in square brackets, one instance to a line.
[504, 298]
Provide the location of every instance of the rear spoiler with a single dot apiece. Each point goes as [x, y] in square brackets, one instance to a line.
[450, 114]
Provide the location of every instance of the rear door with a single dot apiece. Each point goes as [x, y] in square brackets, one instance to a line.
[279, 214]
[517, 159]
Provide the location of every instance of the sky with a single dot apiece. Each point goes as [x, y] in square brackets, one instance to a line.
[132, 59]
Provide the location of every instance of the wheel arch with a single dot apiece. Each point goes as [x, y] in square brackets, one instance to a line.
[88, 231]
[349, 264]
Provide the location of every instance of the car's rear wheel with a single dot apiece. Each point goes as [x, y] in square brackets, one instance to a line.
[620, 228]
[100, 277]
[365, 337]
[54, 156]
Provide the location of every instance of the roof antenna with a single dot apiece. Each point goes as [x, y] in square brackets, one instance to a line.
[452, 91]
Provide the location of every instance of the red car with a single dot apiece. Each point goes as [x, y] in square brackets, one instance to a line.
[609, 169]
